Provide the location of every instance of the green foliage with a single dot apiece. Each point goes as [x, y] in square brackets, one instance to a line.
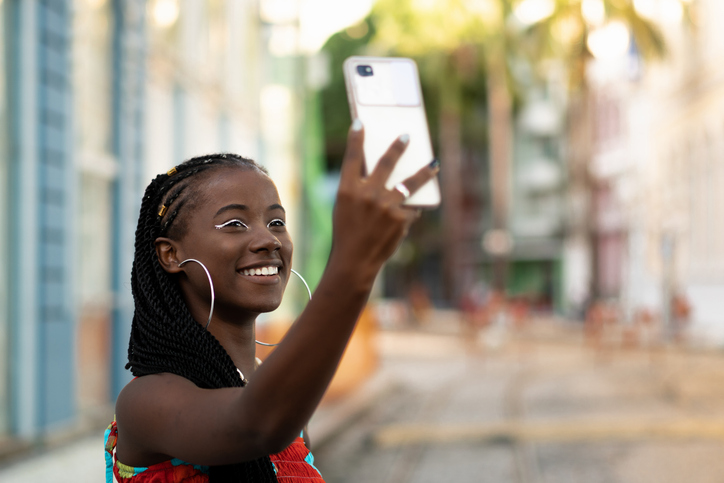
[457, 42]
[418, 27]
[335, 108]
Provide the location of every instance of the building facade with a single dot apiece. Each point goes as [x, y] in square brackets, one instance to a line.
[99, 96]
[658, 170]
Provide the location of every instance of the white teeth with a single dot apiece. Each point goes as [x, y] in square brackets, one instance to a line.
[259, 271]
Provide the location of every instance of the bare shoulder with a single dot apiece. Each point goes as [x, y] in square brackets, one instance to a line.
[164, 416]
[153, 383]
[150, 394]
[145, 409]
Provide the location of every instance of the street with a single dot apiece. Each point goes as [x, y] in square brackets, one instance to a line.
[538, 406]
[535, 406]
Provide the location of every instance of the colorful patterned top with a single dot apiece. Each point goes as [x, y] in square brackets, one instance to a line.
[294, 464]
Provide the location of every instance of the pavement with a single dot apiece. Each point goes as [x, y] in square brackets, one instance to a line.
[535, 405]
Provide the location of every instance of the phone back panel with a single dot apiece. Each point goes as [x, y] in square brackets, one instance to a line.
[384, 93]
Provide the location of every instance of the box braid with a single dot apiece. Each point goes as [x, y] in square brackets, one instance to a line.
[164, 336]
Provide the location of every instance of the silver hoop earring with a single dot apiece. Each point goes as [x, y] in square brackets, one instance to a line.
[211, 284]
[309, 292]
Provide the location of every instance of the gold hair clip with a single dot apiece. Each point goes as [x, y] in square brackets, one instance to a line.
[171, 171]
[162, 211]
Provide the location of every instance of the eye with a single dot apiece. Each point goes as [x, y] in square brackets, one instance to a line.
[276, 222]
[235, 223]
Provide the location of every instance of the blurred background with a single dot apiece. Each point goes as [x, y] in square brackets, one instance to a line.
[579, 232]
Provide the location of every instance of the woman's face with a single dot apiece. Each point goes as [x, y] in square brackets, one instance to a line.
[238, 230]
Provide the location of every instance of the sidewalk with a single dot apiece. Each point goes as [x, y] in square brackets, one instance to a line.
[537, 406]
[81, 461]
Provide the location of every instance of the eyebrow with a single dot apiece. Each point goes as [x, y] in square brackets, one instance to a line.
[236, 206]
[276, 206]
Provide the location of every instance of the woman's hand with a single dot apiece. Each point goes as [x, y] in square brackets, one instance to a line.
[370, 220]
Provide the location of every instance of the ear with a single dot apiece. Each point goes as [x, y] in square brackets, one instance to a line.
[166, 250]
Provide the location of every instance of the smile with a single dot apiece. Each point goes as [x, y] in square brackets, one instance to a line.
[261, 271]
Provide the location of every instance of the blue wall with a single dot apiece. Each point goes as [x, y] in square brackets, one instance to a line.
[43, 185]
[55, 188]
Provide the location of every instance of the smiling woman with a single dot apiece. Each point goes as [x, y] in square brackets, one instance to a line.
[212, 253]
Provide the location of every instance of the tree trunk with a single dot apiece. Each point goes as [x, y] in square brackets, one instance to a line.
[451, 180]
[500, 143]
[450, 152]
[581, 235]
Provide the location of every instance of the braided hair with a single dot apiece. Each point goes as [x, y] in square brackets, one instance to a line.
[164, 336]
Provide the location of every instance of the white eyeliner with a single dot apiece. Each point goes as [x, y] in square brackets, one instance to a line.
[219, 227]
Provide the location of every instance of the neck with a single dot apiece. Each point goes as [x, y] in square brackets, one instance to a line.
[233, 328]
[238, 341]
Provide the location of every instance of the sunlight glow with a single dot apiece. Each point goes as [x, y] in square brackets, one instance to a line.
[165, 12]
[610, 41]
[645, 8]
[423, 4]
[485, 8]
[320, 19]
[279, 11]
[593, 11]
[567, 30]
[669, 11]
[530, 12]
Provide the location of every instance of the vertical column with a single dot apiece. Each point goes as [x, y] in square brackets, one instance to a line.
[41, 301]
[21, 24]
[129, 58]
[4, 233]
[55, 188]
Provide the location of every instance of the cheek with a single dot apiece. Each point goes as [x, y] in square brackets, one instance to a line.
[287, 249]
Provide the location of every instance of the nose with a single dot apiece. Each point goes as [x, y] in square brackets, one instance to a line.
[265, 241]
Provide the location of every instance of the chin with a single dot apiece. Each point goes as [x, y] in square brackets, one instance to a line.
[266, 307]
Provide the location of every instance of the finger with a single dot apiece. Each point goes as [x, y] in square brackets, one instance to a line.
[401, 190]
[411, 216]
[417, 180]
[388, 161]
[353, 162]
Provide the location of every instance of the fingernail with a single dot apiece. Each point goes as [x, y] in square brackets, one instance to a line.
[405, 138]
[357, 125]
[435, 163]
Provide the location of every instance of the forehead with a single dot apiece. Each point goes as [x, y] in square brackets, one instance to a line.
[229, 185]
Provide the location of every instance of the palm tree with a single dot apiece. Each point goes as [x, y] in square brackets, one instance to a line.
[465, 35]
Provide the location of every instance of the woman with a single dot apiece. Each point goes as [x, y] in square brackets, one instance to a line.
[199, 408]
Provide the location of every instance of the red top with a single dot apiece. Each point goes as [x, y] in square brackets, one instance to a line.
[294, 464]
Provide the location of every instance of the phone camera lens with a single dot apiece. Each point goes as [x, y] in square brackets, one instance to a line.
[364, 70]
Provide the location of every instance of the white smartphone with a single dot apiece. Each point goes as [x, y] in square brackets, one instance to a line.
[384, 93]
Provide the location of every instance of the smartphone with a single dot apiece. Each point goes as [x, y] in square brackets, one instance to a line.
[384, 93]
